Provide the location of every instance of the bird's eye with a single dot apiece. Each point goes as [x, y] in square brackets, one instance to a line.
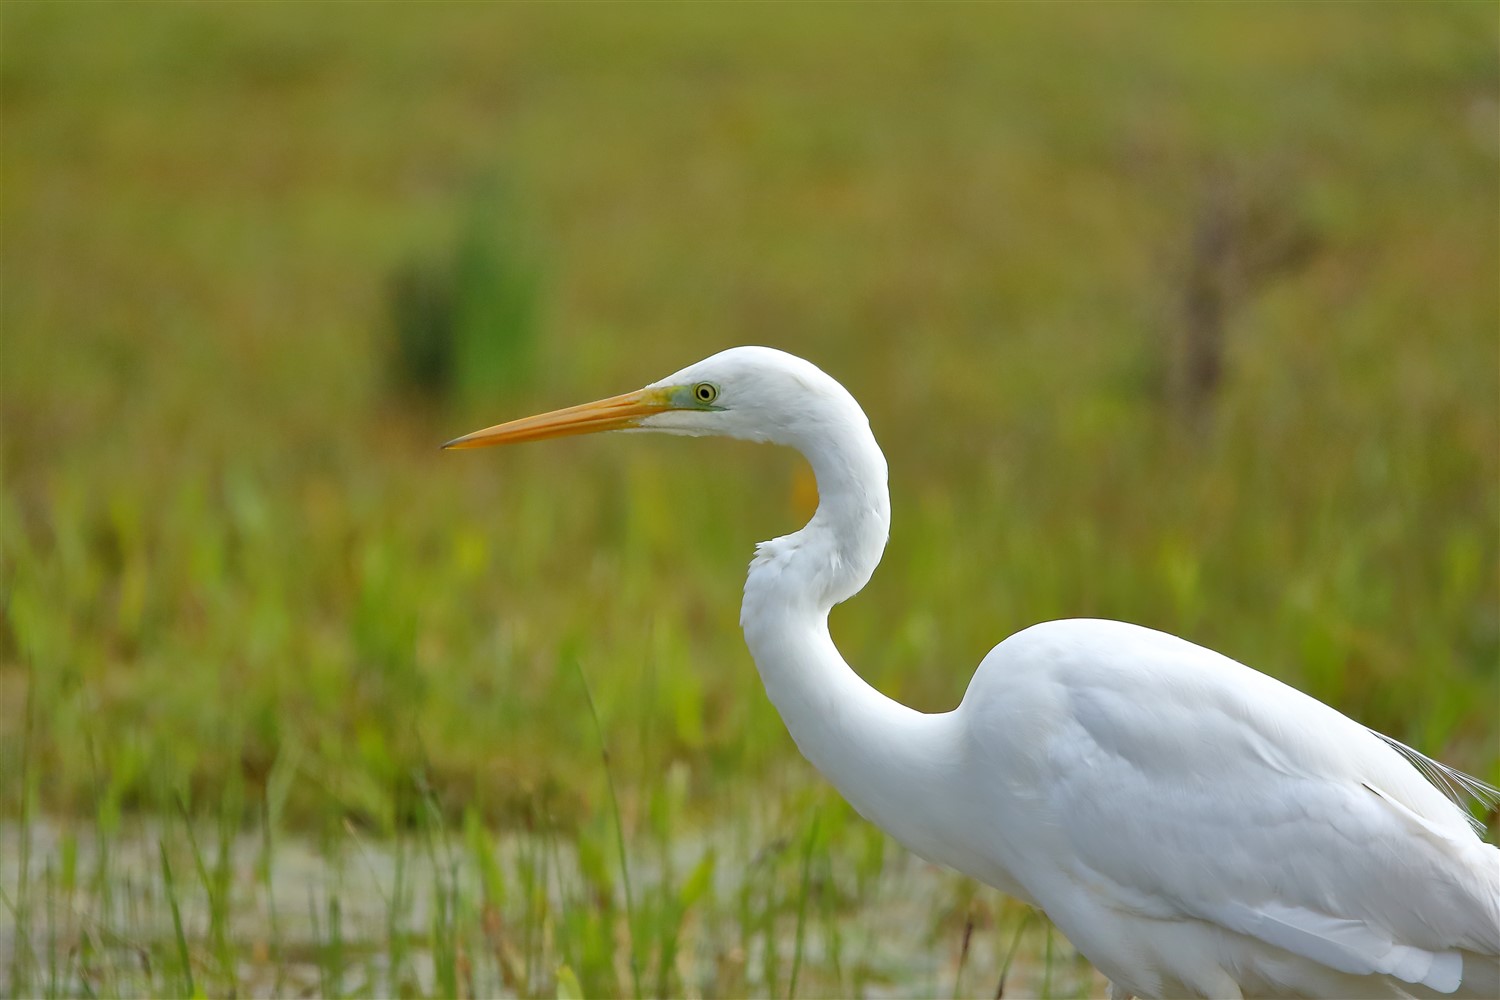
[705, 392]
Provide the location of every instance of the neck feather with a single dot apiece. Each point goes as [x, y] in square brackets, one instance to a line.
[889, 761]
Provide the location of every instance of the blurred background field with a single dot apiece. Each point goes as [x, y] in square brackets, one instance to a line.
[1185, 316]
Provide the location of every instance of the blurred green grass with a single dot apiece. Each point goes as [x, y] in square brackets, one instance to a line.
[231, 557]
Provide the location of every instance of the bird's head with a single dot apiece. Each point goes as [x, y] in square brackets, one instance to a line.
[755, 393]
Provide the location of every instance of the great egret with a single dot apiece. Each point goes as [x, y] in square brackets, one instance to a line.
[1195, 828]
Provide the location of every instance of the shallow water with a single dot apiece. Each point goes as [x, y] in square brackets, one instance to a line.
[370, 917]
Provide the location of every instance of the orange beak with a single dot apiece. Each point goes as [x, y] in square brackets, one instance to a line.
[612, 414]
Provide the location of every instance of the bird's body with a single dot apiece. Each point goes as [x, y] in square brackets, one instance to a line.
[1195, 828]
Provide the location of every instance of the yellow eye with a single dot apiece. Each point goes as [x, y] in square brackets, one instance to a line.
[705, 392]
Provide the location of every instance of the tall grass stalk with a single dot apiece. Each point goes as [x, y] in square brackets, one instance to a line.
[23, 957]
[184, 957]
[619, 829]
[264, 871]
[963, 955]
[804, 889]
[1010, 952]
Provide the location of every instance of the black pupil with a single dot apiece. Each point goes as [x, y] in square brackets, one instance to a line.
[704, 392]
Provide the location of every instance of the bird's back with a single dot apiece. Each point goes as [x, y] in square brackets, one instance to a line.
[1194, 826]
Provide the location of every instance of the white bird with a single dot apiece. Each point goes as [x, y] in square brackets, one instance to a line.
[1194, 827]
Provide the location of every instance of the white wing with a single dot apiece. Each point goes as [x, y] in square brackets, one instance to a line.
[1178, 785]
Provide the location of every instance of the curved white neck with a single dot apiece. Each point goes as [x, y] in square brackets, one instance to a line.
[889, 761]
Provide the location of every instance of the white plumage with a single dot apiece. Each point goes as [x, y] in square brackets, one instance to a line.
[1194, 827]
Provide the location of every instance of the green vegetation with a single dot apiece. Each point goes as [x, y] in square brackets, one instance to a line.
[1185, 316]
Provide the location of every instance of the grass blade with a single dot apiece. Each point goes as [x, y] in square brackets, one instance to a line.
[614, 805]
[182, 946]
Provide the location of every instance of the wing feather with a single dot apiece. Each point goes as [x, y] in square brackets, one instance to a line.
[1460, 788]
[1351, 946]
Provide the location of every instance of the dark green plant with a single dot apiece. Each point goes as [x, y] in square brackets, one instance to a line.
[464, 320]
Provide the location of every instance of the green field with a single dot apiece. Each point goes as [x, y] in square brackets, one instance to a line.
[1180, 315]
